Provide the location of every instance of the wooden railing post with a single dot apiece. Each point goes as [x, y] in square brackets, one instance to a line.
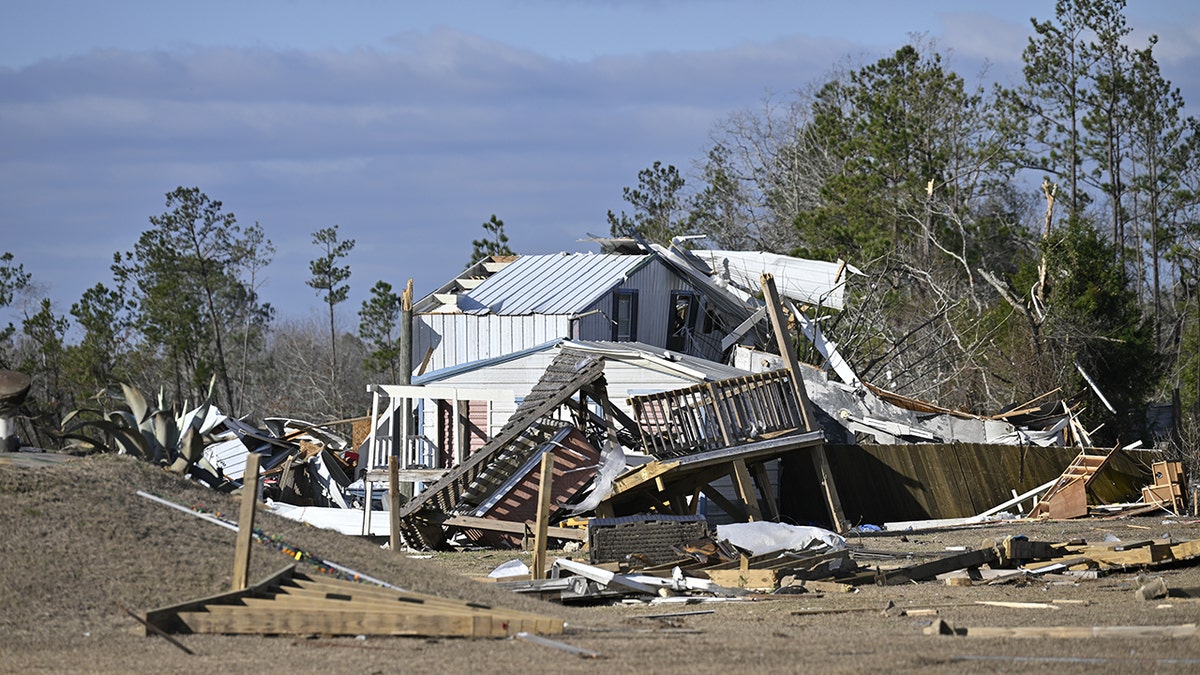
[245, 531]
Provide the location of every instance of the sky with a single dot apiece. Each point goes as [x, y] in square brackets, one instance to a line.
[408, 124]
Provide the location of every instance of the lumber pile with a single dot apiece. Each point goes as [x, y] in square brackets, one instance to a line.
[293, 603]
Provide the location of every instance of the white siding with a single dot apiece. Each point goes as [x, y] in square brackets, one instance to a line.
[463, 338]
[653, 284]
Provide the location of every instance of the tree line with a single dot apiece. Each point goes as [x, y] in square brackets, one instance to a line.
[1014, 241]
[182, 318]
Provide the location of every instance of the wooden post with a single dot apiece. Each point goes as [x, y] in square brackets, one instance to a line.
[393, 502]
[788, 351]
[543, 515]
[400, 436]
[406, 315]
[245, 532]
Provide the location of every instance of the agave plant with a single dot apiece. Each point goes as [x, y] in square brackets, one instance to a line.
[153, 433]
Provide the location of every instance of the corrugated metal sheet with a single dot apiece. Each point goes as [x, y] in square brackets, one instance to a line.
[563, 283]
[812, 281]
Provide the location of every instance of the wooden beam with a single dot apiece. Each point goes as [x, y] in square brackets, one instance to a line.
[763, 480]
[745, 489]
[245, 532]
[720, 500]
[406, 335]
[787, 349]
[931, 569]
[512, 527]
[545, 490]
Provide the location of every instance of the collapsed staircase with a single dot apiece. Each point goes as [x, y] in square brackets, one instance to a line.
[525, 433]
[1067, 498]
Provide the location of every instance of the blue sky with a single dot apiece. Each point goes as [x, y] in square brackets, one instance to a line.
[410, 123]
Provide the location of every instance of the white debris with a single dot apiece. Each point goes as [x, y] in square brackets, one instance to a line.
[759, 538]
[512, 568]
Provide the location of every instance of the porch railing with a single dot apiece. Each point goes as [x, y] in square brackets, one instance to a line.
[717, 415]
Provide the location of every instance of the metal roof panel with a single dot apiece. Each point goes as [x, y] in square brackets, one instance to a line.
[560, 283]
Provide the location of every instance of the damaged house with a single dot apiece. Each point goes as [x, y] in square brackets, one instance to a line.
[686, 380]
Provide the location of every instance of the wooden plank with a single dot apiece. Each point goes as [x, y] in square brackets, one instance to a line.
[722, 423]
[647, 472]
[378, 596]
[229, 620]
[927, 570]
[499, 623]
[1180, 631]
[475, 522]
[298, 602]
[245, 532]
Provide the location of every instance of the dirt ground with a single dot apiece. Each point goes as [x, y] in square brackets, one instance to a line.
[78, 546]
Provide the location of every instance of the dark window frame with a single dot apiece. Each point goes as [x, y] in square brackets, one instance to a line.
[618, 315]
[680, 326]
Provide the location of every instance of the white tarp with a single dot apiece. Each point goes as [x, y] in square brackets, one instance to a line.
[760, 538]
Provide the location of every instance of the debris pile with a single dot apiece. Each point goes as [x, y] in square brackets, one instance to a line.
[821, 562]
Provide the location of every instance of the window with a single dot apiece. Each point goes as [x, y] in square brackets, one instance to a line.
[681, 323]
[625, 308]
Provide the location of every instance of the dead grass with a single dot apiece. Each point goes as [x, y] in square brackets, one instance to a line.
[78, 543]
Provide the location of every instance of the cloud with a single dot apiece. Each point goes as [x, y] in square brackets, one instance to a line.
[409, 146]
